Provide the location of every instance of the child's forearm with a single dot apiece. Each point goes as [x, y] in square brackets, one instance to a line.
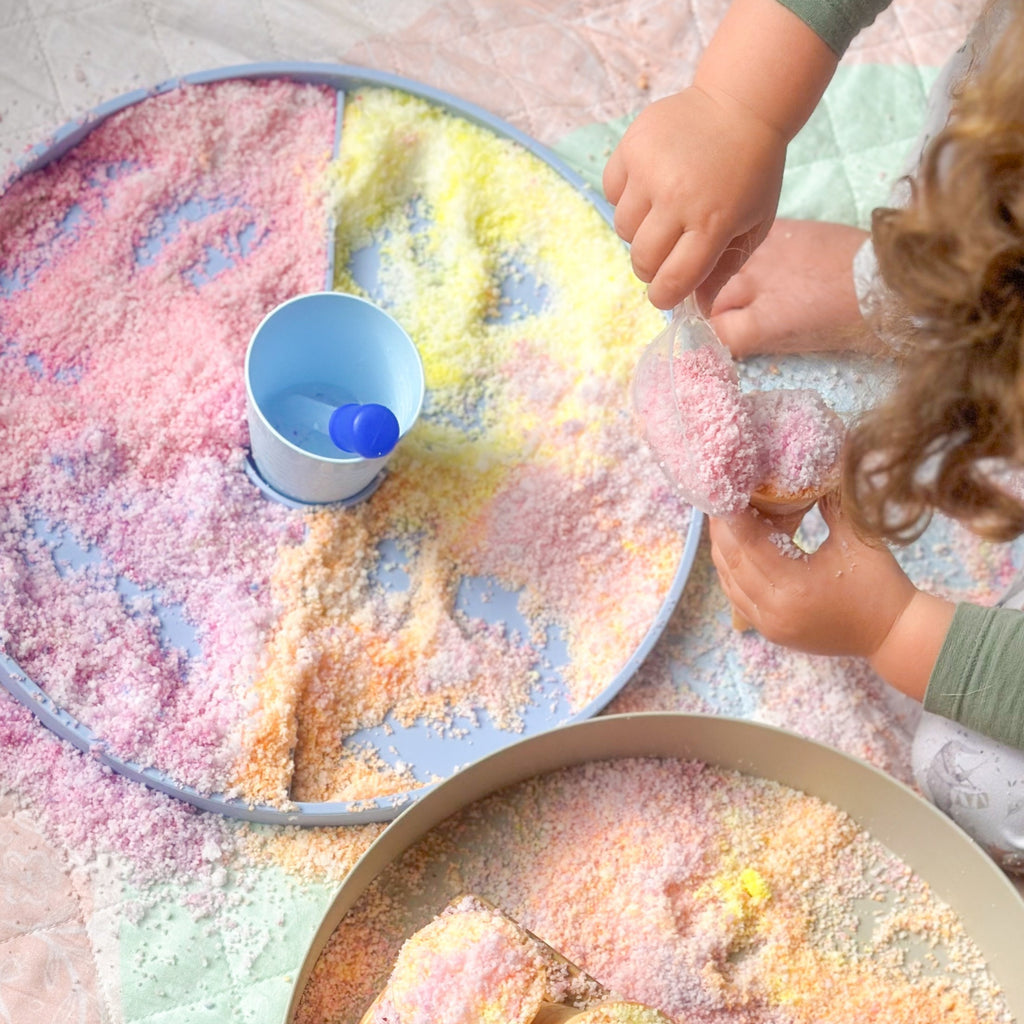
[907, 655]
[764, 58]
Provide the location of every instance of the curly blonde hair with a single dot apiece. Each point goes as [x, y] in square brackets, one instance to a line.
[953, 260]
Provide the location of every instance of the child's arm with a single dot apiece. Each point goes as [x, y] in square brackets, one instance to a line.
[847, 597]
[963, 661]
[700, 171]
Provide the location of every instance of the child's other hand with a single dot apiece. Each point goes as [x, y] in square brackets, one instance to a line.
[695, 182]
[844, 598]
[795, 294]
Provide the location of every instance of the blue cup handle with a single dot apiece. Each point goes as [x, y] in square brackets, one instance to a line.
[369, 430]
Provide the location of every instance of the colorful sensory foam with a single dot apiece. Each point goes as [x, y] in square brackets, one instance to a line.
[194, 626]
[705, 892]
[722, 445]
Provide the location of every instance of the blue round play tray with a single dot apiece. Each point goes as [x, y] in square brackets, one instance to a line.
[434, 757]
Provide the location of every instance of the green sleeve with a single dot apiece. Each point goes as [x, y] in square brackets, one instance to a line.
[978, 678]
[837, 21]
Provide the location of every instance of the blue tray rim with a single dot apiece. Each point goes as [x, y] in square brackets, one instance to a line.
[342, 78]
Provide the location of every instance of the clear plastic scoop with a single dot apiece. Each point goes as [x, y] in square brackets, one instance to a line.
[723, 448]
[658, 390]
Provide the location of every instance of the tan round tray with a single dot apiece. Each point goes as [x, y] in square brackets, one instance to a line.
[957, 869]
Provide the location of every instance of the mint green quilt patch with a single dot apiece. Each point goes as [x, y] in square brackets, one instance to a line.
[844, 161]
[238, 964]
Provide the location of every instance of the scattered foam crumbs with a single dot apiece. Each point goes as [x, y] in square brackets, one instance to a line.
[524, 470]
[712, 895]
[133, 270]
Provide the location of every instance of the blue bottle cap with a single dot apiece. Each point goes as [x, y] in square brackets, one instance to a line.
[368, 430]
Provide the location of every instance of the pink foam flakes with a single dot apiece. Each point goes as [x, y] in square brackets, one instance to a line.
[138, 264]
[712, 895]
[800, 437]
[720, 444]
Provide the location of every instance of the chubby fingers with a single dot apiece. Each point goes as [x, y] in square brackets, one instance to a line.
[670, 258]
[842, 599]
[762, 573]
[669, 255]
[681, 260]
[631, 200]
[631, 211]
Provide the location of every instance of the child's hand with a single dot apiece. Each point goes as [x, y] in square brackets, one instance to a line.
[695, 176]
[845, 598]
[795, 294]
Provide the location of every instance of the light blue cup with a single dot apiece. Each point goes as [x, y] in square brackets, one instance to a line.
[312, 363]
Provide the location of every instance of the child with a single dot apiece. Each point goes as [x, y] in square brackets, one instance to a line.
[949, 438]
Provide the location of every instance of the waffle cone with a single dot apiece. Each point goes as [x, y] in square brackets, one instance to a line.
[772, 503]
[588, 991]
[768, 501]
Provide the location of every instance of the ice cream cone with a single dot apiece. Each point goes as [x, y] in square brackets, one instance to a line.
[786, 510]
[537, 1004]
[780, 506]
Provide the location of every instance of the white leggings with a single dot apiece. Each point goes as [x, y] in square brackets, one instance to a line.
[977, 781]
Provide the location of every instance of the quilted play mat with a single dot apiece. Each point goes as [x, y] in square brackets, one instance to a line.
[196, 674]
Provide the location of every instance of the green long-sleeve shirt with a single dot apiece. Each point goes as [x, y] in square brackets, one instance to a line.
[837, 21]
[978, 678]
